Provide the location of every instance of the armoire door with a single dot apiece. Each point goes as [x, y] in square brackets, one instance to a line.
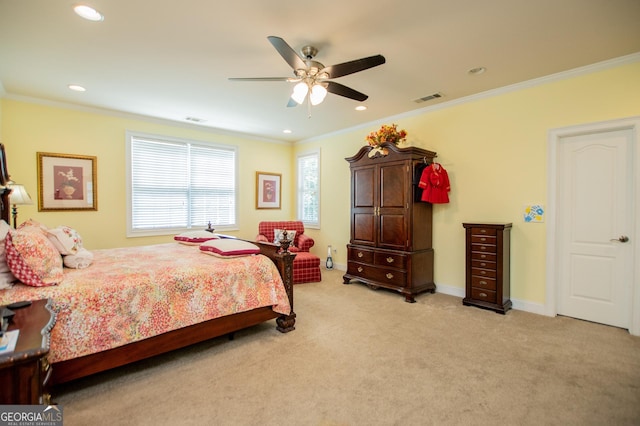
[395, 188]
[363, 211]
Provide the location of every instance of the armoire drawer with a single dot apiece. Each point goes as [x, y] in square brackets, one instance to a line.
[483, 295]
[382, 275]
[483, 248]
[491, 257]
[484, 264]
[360, 255]
[391, 260]
[478, 272]
[483, 239]
[483, 283]
[483, 231]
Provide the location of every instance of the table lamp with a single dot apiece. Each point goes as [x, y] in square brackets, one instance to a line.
[17, 196]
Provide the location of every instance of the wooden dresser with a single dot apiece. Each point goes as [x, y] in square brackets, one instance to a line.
[487, 266]
[391, 231]
[25, 372]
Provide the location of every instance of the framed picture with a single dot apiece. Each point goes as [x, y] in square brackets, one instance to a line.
[67, 182]
[268, 190]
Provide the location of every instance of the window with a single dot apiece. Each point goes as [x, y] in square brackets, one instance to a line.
[308, 171]
[177, 184]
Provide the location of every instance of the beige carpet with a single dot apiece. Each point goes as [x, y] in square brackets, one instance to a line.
[365, 357]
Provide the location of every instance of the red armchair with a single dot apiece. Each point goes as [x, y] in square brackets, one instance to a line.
[306, 265]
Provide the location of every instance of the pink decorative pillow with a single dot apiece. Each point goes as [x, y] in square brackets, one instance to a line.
[194, 237]
[32, 258]
[228, 247]
[65, 239]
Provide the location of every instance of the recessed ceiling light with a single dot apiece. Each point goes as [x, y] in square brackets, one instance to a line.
[87, 12]
[287, 131]
[361, 108]
[477, 70]
[76, 88]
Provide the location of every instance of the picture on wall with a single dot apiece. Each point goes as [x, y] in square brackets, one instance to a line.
[268, 190]
[67, 182]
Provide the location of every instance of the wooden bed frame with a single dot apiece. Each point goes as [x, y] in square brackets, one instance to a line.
[72, 369]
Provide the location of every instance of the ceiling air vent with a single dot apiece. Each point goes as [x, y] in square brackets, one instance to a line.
[195, 119]
[428, 97]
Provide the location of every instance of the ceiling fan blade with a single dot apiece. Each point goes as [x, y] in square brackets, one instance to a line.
[289, 55]
[263, 79]
[347, 92]
[350, 67]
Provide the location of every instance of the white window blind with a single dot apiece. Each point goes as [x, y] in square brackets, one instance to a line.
[177, 185]
[309, 188]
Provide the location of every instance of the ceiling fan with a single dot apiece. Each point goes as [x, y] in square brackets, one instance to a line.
[313, 78]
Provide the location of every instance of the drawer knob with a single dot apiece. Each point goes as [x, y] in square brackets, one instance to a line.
[483, 231]
[360, 254]
[483, 264]
[389, 275]
[483, 239]
[359, 268]
[483, 282]
[390, 259]
[483, 256]
[483, 294]
[482, 272]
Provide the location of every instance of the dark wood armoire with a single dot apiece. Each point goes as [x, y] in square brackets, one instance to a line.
[391, 229]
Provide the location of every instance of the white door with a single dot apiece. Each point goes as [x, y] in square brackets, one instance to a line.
[594, 226]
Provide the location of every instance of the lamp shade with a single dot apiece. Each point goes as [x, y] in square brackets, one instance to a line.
[318, 94]
[18, 195]
[300, 92]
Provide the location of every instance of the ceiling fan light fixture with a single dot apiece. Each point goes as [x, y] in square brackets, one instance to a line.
[318, 93]
[300, 92]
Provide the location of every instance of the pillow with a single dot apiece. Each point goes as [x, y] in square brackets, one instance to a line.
[80, 260]
[6, 277]
[194, 237]
[30, 223]
[278, 235]
[32, 258]
[65, 239]
[228, 247]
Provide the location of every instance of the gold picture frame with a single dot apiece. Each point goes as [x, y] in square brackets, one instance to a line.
[268, 190]
[67, 182]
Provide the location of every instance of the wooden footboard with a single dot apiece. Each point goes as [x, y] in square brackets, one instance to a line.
[72, 369]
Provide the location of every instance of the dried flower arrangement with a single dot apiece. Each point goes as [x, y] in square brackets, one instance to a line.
[386, 133]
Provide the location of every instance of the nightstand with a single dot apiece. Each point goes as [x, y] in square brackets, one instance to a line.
[25, 372]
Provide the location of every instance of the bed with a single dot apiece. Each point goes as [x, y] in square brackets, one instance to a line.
[136, 302]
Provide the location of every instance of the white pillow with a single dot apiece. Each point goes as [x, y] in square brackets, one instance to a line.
[65, 239]
[229, 247]
[278, 235]
[80, 260]
[194, 237]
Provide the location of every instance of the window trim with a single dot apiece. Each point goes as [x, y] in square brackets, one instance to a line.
[312, 152]
[131, 233]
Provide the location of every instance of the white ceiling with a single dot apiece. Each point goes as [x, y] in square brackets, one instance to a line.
[172, 59]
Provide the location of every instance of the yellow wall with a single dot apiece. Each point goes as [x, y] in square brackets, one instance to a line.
[495, 150]
[28, 128]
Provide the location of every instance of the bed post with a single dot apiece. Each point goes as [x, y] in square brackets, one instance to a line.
[283, 259]
[4, 191]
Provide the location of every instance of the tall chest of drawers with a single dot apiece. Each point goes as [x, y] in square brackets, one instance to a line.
[487, 266]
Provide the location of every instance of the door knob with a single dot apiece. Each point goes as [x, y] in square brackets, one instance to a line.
[622, 239]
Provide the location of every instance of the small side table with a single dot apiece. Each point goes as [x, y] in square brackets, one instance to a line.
[25, 372]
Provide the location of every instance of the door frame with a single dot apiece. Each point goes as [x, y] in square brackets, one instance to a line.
[554, 138]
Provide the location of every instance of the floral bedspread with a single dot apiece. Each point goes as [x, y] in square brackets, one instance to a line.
[129, 294]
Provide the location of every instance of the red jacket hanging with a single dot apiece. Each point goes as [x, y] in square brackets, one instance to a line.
[435, 184]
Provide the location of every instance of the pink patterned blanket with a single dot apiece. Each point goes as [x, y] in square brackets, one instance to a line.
[130, 294]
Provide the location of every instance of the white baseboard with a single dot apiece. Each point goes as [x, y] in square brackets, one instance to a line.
[520, 305]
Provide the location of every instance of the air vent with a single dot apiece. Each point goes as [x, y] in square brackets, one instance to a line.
[195, 119]
[428, 97]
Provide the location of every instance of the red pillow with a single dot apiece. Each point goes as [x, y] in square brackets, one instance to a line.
[32, 258]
